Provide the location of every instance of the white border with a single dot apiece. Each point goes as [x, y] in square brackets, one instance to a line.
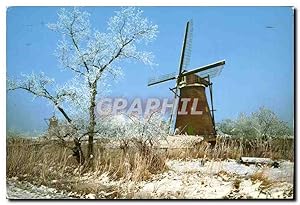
[6, 3]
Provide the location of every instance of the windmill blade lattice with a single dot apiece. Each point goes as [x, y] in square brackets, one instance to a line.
[162, 78]
[188, 46]
[213, 72]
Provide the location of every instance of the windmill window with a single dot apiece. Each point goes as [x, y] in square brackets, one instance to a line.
[183, 80]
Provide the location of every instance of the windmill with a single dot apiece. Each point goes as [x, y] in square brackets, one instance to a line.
[191, 85]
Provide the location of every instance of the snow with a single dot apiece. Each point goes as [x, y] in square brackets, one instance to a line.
[185, 179]
[180, 141]
[90, 196]
[26, 190]
[190, 186]
[211, 167]
[284, 173]
[195, 179]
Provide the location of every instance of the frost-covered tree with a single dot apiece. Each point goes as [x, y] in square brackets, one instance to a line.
[143, 132]
[267, 124]
[92, 56]
[263, 123]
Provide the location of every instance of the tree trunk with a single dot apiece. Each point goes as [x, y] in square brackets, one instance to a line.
[92, 123]
[77, 152]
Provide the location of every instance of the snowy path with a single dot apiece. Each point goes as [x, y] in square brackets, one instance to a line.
[25, 190]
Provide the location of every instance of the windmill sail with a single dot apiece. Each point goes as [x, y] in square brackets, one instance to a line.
[186, 47]
[212, 70]
[183, 64]
[184, 58]
[162, 78]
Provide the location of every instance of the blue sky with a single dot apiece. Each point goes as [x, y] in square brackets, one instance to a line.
[259, 68]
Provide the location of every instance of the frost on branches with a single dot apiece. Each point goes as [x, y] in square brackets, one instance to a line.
[92, 56]
[263, 123]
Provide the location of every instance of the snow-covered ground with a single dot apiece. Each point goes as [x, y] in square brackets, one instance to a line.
[283, 173]
[25, 190]
[187, 179]
[195, 179]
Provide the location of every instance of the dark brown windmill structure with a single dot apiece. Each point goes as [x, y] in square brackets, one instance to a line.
[198, 118]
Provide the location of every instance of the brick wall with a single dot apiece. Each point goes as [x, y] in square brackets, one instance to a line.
[200, 124]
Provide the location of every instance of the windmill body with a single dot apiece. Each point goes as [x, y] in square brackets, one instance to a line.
[189, 117]
[195, 117]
